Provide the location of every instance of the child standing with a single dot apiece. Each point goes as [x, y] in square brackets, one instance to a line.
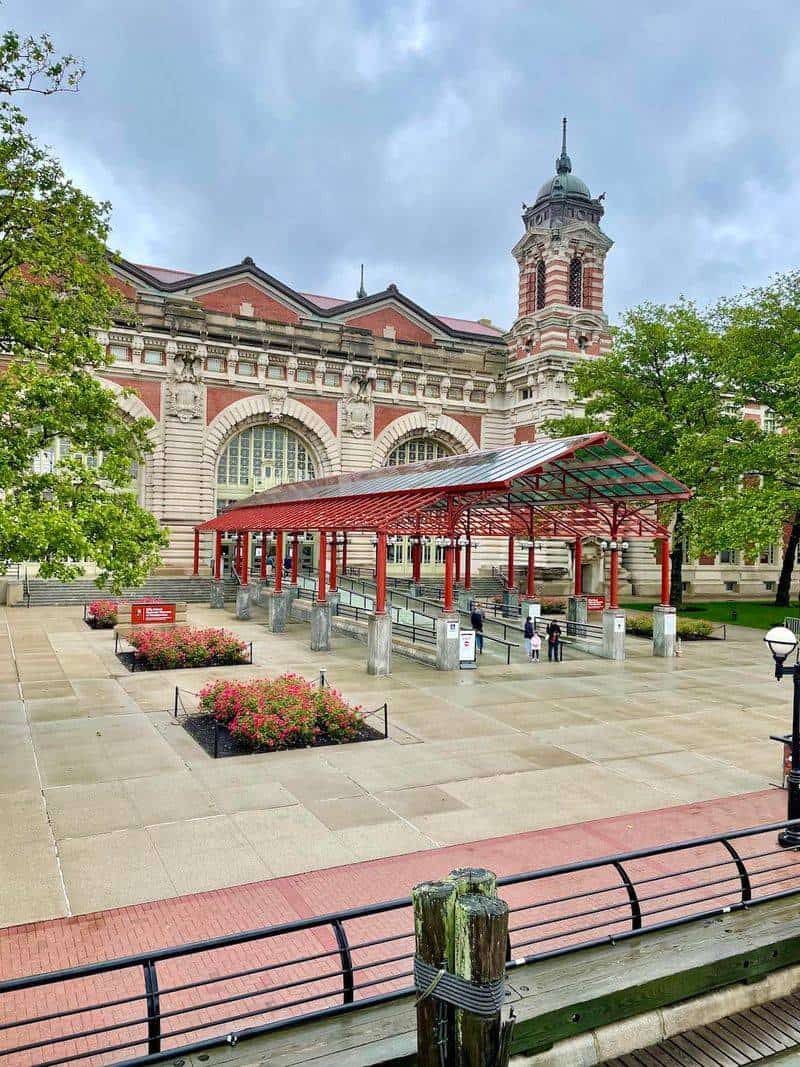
[536, 644]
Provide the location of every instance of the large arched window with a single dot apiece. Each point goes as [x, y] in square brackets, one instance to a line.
[416, 450]
[576, 282]
[258, 458]
[540, 284]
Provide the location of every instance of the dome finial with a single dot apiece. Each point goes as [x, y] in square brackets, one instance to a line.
[563, 163]
[362, 292]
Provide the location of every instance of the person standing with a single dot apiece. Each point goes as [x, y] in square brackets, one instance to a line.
[476, 621]
[536, 644]
[529, 631]
[553, 640]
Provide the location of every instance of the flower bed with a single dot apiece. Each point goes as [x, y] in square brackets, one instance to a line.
[102, 614]
[269, 714]
[554, 607]
[687, 629]
[185, 646]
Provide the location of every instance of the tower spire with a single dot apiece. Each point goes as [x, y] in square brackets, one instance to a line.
[362, 292]
[563, 163]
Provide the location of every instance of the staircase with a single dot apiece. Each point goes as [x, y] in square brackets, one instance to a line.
[46, 593]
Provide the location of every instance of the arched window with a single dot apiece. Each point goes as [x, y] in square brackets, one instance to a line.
[540, 280]
[258, 458]
[416, 450]
[576, 282]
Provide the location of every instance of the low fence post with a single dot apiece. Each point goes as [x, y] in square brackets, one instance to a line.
[386, 720]
[216, 739]
[175, 707]
[152, 1002]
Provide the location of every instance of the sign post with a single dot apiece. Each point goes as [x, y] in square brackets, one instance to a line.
[467, 659]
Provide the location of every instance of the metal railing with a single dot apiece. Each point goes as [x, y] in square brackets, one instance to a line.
[154, 1006]
[792, 624]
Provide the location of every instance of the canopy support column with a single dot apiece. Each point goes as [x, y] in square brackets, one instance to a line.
[263, 570]
[416, 560]
[321, 608]
[344, 554]
[511, 563]
[578, 565]
[278, 560]
[448, 575]
[457, 550]
[665, 562]
[196, 560]
[295, 559]
[323, 566]
[243, 592]
[613, 576]
[379, 627]
[217, 596]
[530, 590]
[332, 583]
[380, 575]
[468, 566]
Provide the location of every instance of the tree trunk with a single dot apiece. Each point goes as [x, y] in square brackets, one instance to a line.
[676, 561]
[784, 590]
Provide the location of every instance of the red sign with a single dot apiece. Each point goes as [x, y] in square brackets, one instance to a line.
[144, 613]
[595, 603]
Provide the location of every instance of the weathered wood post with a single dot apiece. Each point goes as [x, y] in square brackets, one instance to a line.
[480, 932]
[434, 913]
[474, 951]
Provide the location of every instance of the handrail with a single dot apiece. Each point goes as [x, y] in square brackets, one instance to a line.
[580, 907]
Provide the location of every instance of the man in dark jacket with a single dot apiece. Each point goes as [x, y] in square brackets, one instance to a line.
[553, 640]
[476, 621]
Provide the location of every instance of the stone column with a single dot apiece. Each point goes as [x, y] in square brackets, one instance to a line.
[243, 602]
[577, 615]
[665, 624]
[379, 644]
[447, 642]
[614, 634]
[278, 608]
[320, 626]
[217, 595]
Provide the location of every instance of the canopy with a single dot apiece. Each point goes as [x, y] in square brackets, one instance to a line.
[588, 485]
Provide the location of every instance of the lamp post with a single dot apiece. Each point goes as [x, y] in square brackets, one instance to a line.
[782, 642]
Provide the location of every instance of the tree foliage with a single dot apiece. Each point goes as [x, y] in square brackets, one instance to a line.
[54, 295]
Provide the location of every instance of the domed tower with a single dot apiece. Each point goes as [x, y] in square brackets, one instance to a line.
[561, 259]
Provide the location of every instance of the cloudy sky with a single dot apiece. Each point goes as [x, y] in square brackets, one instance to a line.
[317, 134]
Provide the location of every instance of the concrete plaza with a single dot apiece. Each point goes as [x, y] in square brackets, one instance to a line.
[107, 802]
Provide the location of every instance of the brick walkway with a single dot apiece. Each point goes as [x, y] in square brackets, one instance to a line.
[58, 943]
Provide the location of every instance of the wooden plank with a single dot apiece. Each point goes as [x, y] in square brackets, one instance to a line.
[712, 1049]
[717, 1040]
[694, 1053]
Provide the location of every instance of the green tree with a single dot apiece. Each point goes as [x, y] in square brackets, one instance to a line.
[657, 390]
[759, 360]
[54, 295]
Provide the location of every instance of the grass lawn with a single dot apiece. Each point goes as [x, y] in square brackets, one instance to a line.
[748, 612]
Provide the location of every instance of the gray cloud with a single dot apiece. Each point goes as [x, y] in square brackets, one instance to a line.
[315, 135]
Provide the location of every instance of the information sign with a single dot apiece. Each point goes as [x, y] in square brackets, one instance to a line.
[595, 603]
[466, 652]
[152, 613]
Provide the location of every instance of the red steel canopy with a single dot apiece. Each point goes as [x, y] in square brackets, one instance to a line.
[572, 487]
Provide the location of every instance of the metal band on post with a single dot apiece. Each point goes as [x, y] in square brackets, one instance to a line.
[478, 999]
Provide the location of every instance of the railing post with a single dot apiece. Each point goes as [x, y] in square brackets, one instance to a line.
[175, 708]
[346, 958]
[744, 877]
[153, 1007]
[636, 908]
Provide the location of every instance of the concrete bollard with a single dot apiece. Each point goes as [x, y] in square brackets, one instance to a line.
[379, 644]
[665, 628]
[320, 627]
[243, 602]
[217, 595]
[448, 630]
[278, 606]
[614, 634]
[577, 615]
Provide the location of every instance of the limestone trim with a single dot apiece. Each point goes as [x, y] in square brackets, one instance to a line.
[252, 409]
[420, 423]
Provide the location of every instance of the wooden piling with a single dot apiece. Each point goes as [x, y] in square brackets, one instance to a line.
[474, 880]
[480, 933]
[434, 913]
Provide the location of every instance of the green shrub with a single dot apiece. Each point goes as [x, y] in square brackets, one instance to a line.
[687, 629]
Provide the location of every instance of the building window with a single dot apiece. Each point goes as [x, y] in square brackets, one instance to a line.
[331, 378]
[526, 393]
[248, 369]
[769, 422]
[275, 372]
[731, 587]
[260, 457]
[431, 390]
[729, 555]
[769, 586]
[575, 282]
[119, 352]
[215, 364]
[153, 357]
[417, 450]
[541, 277]
[304, 375]
[383, 385]
[767, 555]
[408, 388]
[455, 393]
[478, 396]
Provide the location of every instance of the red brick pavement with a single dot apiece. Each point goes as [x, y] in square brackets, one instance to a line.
[45, 946]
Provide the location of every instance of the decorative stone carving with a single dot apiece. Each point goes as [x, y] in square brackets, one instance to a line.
[277, 404]
[433, 415]
[357, 406]
[184, 393]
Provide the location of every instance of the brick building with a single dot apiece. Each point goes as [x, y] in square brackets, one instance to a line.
[252, 383]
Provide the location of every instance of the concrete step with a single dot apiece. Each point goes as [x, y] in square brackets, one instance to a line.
[47, 593]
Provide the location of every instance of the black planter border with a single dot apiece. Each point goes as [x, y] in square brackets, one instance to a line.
[218, 738]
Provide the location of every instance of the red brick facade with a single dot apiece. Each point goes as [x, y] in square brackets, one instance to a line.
[149, 392]
[405, 329]
[217, 399]
[230, 299]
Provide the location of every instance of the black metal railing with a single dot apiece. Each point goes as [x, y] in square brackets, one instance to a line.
[154, 1006]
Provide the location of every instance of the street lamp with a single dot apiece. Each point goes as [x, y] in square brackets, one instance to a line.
[782, 642]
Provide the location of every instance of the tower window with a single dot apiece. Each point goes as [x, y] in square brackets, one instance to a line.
[540, 280]
[575, 282]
